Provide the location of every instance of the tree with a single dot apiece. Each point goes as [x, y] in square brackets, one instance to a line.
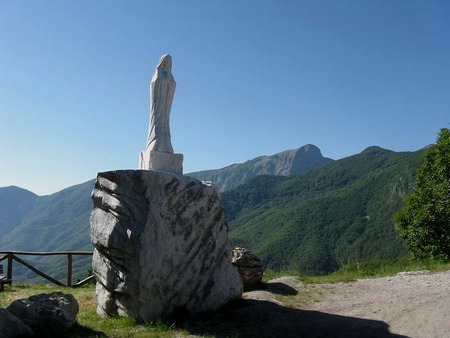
[424, 221]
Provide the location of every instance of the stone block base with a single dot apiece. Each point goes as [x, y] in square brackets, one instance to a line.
[165, 162]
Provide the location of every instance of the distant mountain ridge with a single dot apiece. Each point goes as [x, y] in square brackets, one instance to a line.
[286, 163]
[57, 222]
[314, 221]
[15, 204]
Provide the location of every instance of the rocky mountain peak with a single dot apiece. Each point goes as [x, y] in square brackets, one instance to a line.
[285, 163]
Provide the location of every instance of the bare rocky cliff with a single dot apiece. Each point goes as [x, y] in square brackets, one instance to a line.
[286, 163]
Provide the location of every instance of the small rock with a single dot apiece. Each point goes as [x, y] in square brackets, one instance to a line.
[54, 313]
[249, 267]
[11, 326]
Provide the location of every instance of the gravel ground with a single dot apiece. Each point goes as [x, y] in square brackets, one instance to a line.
[410, 304]
[414, 304]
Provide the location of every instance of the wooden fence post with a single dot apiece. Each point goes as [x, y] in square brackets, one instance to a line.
[69, 269]
[9, 270]
[11, 255]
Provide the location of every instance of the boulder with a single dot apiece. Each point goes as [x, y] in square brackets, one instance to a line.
[11, 326]
[49, 313]
[161, 246]
[249, 267]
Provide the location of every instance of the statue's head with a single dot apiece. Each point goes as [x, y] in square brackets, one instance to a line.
[165, 63]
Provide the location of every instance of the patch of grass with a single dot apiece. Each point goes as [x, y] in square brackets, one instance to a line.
[89, 324]
[350, 272]
[376, 268]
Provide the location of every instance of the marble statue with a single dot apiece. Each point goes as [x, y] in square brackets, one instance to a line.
[159, 155]
[160, 238]
[162, 89]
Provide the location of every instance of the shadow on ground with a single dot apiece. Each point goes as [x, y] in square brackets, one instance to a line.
[79, 331]
[280, 289]
[256, 318]
[274, 287]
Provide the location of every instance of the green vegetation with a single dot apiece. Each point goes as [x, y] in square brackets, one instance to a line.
[424, 221]
[318, 221]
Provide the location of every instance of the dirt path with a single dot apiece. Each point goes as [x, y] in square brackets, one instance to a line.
[413, 304]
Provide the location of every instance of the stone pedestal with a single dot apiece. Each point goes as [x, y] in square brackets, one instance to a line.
[161, 246]
[159, 161]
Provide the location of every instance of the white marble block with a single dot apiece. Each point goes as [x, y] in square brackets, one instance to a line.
[161, 246]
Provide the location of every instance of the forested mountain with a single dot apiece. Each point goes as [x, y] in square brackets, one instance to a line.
[338, 213]
[313, 222]
[286, 163]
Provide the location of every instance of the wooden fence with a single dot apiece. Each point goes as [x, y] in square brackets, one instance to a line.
[11, 256]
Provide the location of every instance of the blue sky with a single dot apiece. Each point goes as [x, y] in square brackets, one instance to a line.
[253, 78]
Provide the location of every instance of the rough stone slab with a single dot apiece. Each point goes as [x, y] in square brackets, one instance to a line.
[161, 246]
[11, 326]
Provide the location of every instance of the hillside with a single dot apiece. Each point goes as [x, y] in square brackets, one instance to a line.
[15, 203]
[315, 222]
[57, 222]
[286, 163]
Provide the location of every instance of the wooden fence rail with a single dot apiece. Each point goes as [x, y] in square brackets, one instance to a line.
[13, 255]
